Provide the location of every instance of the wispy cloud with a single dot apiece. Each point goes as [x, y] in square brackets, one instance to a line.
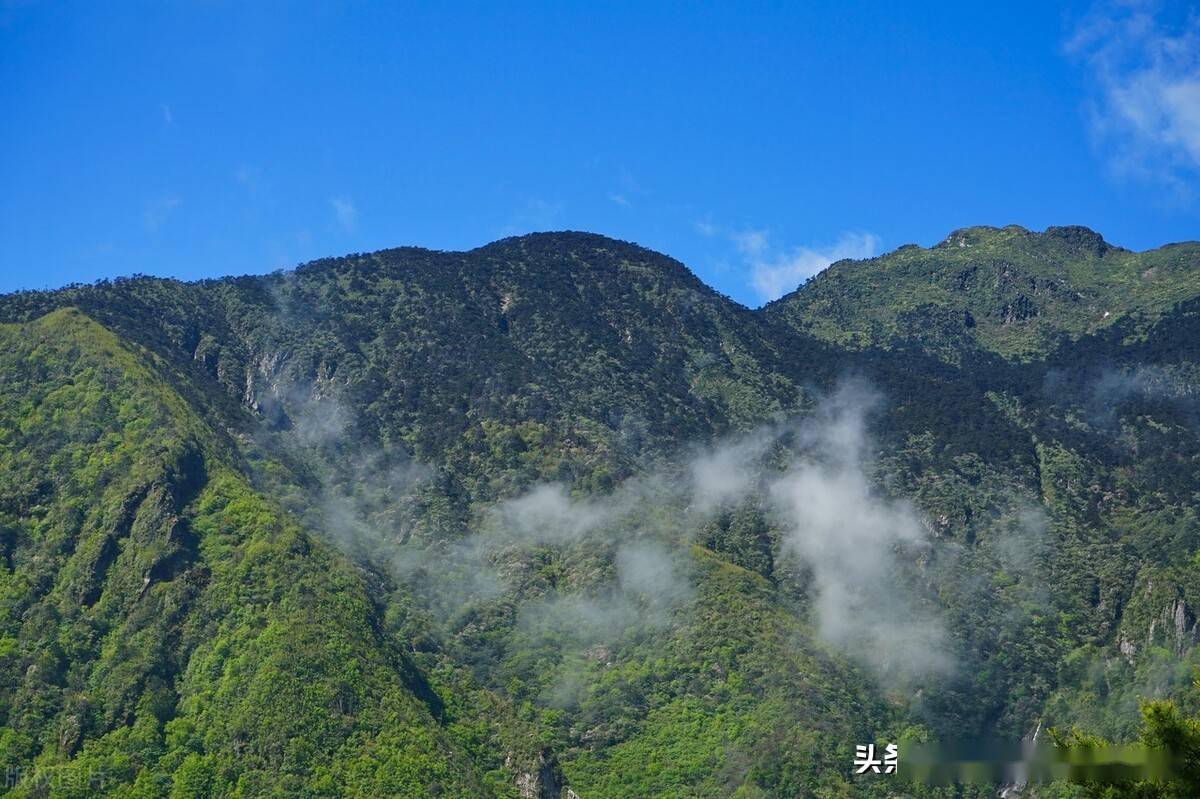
[536, 214]
[167, 117]
[776, 272]
[751, 243]
[628, 188]
[156, 213]
[1144, 71]
[344, 213]
[855, 541]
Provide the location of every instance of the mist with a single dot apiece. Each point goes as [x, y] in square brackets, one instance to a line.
[856, 543]
[858, 550]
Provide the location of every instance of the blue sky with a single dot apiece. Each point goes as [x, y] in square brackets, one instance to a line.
[753, 141]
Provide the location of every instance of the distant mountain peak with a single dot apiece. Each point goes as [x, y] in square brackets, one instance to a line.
[562, 238]
[980, 234]
[1079, 239]
[1076, 239]
[1008, 289]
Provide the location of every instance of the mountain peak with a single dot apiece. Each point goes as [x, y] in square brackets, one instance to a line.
[1075, 239]
[1079, 239]
[980, 234]
[563, 239]
[1008, 289]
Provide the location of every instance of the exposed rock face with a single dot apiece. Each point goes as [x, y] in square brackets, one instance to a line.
[1079, 239]
[1018, 310]
[1128, 649]
[1178, 623]
[543, 780]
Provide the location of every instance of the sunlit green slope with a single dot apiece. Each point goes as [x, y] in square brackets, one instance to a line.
[163, 627]
[250, 540]
[1008, 290]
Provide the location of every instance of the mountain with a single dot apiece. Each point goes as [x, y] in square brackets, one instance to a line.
[158, 608]
[1007, 290]
[551, 517]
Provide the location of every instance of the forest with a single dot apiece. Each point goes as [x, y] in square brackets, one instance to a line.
[553, 519]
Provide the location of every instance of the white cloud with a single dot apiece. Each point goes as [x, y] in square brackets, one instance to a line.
[775, 271]
[775, 274]
[750, 243]
[727, 472]
[536, 214]
[167, 116]
[1145, 76]
[855, 541]
[157, 212]
[627, 190]
[345, 213]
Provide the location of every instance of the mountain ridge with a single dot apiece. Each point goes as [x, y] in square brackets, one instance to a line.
[474, 470]
[1079, 237]
[1008, 290]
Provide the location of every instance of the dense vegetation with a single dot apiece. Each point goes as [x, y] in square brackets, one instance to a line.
[1006, 290]
[415, 523]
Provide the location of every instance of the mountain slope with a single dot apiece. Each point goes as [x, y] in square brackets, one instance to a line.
[465, 520]
[162, 624]
[557, 330]
[1006, 290]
